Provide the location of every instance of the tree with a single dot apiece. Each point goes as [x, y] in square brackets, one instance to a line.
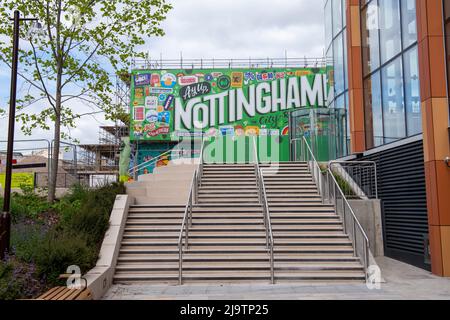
[82, 43]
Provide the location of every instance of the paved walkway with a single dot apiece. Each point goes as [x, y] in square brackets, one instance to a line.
[402, 282]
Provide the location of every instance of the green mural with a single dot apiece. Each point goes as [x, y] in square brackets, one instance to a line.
[167, 105]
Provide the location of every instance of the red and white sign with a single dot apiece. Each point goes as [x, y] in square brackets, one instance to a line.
[187, 80]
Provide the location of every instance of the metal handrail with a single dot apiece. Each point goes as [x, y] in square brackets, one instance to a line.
[266, 212]
[314, 167]
[356, 226]
[359, 164]
[187, 219]
[135, 169]
[200, 166]
[346, 207]
[187, 222]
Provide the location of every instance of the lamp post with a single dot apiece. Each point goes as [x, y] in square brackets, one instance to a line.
[5, 220]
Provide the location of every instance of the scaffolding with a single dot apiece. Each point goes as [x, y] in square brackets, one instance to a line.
[103, 158]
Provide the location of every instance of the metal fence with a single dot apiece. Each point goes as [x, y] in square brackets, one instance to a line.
[358, 179]
[251, 63]
[63, 180]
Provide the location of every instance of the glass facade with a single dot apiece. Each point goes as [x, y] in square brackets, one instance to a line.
[390, 68]
[336, 53]
[391, 72]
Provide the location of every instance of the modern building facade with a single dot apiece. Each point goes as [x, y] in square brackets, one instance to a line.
[391, 71]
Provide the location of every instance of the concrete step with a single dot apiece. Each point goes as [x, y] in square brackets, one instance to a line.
[192, 276]
[243, 228]
[228, 195]
[237, 266]
[258, 234]
[303, 249]
[249, 257]
[211, 190]
[242, 242]
[229, 176]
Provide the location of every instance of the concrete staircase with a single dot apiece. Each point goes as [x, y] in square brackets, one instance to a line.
[228, 239]
[310, 243]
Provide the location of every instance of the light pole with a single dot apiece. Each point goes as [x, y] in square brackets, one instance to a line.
[5, 220]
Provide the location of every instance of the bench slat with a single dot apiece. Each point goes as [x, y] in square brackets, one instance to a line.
[61, 293]
[49, 292]
[85, 295]
[55, 293]
[64, 293]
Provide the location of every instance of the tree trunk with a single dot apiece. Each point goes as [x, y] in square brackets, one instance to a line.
[55, 160]
[57, 137]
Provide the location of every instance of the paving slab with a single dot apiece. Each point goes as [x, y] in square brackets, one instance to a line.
[402, 282]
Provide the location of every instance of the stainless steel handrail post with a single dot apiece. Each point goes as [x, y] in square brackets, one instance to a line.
[185, 229]
[346, 209]
[266, 212]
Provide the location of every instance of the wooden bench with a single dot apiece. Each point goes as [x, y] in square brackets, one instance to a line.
[64, 293]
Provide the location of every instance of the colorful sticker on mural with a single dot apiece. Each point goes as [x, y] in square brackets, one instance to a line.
[167, 105]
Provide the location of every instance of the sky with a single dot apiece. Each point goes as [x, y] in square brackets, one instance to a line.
[232, 29]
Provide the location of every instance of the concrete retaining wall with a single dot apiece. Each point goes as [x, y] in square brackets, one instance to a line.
[100, 278]
[368, 213]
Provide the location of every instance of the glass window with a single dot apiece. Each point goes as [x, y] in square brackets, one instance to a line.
[340, 102]
[345, 61]
[393, 101]
[347, 142]
[412, 92]
[409, 22]
[344, 13]
[328, 23]
[390, 31]
[370, 39]
[338, 65]
[373, 110]
[337, 16]
[330, 74]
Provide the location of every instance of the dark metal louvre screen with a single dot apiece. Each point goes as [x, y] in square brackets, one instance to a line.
[401, 187]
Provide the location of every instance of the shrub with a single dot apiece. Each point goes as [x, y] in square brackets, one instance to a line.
[9, 289]
[92, 216]
[77, 238]
[25, 238]
[18, 280]
[28, 204]
[59, 251]
[45, 250]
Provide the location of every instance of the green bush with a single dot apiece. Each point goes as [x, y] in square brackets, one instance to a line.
[74, 239]
[25, 238]
[28, 204]
[10, 289]
[58, 251]
[77, 238]
[18, 280]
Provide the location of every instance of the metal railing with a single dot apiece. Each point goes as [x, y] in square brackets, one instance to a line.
[63, 180]
[307, 155]
[135, 170]
[186, 224]
[251, 63]
[187, 218]
[200, 165]
[361, 177]
[333, 194]
[266, 212]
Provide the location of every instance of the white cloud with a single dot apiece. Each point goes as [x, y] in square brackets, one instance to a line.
[217, 29]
